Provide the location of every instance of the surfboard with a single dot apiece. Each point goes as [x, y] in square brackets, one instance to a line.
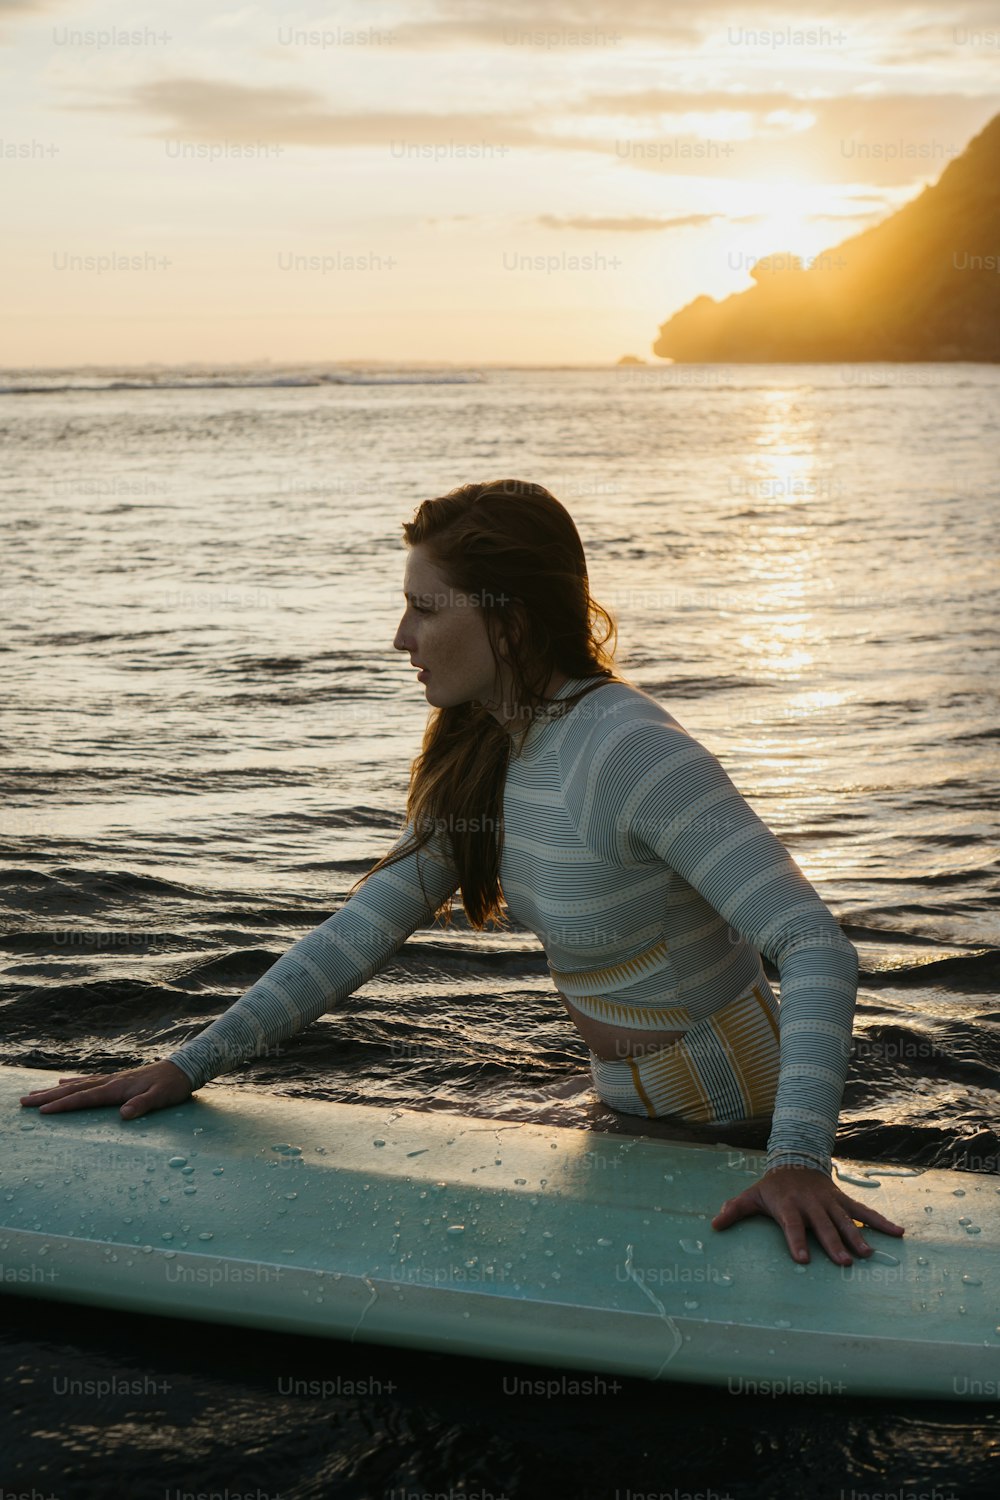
[494, 1239]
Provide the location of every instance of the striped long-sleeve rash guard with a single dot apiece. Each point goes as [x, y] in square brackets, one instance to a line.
[629, 852]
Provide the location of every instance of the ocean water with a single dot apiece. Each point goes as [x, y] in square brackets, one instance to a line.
[207, 736]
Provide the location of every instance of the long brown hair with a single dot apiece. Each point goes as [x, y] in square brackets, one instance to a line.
[514, 547]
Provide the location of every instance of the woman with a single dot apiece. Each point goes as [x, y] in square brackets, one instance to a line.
[549, 784]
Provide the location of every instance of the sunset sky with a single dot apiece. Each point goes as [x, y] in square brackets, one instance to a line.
[544, 181]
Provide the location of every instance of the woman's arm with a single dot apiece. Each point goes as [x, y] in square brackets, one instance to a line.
[652, 789]
[656, 790]
[326, 965]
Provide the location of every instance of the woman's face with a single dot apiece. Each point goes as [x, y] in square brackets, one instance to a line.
[443, 631]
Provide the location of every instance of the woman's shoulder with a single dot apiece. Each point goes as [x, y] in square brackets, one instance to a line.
[626, 749]
[618, 708]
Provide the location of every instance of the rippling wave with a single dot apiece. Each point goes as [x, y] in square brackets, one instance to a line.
[207, 737]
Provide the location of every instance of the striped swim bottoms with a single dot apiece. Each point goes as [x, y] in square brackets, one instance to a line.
[723, 1071]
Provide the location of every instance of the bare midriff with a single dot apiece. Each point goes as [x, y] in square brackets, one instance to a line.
[613, 1043]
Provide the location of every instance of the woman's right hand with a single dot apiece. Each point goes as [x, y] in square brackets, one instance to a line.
[139, 1091]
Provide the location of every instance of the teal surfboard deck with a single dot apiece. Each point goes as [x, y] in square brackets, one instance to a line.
[496, 1239]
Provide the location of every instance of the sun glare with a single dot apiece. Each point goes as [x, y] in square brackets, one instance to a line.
[784, 214]
[784, 220]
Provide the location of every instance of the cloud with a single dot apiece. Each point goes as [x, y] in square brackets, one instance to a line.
[882, 139]
[848, 218]
[633, 225]
[198, 109]
[474, 24]
[838, 111]
[533, 32]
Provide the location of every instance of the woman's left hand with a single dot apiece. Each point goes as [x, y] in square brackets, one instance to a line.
[801, 1197]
